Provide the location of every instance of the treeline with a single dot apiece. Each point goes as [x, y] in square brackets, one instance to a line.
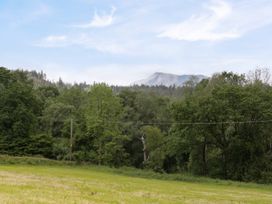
[220, 127]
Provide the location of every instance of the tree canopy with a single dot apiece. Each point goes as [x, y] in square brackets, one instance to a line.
[220, 127]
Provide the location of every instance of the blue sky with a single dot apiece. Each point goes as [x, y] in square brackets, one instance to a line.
[122, 41]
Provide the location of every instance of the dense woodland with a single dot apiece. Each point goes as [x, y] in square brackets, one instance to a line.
[220, 127]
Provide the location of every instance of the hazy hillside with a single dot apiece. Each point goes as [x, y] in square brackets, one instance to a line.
[166, 79]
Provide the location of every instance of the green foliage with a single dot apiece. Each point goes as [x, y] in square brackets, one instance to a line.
[193, 129]
[41, 144]
[104, 138]
[19, 109]
[155, 148]
[141, 109]
[227, 150]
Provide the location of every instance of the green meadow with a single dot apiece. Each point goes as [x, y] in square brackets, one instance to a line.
[82, 184]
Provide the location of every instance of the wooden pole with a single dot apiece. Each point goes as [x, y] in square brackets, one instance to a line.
[71, 138]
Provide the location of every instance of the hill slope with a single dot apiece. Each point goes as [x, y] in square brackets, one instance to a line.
[166, 79]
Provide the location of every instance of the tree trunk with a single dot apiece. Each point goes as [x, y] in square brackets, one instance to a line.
[204, 156]
[144, 148]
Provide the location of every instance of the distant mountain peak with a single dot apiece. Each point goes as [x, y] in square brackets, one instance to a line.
[167, 79]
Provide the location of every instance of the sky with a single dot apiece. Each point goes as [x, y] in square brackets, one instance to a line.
[122, 41]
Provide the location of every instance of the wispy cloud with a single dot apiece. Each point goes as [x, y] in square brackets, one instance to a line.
[102, 45]
[99, 20]
[221, 20]
[53, 41]
[83, 40]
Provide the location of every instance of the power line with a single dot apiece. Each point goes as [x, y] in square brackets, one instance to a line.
[178, 123]
[196, 123]
[213, 123]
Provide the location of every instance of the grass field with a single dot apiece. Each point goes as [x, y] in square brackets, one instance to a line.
[71, 184]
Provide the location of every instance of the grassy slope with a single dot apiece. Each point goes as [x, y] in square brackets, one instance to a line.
[67, 184]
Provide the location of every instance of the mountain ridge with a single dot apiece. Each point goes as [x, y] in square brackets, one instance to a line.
[168, 79]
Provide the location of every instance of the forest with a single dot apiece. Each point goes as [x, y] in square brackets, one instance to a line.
[220, 127]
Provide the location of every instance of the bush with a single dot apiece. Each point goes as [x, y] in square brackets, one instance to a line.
[5, 160]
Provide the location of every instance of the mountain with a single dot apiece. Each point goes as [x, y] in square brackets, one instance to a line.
[166, 79]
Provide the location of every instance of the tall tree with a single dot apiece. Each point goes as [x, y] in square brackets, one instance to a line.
[19, 109]
[104, 141]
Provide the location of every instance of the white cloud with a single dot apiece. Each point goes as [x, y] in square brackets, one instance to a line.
[102, 45]
[202, 27]
[83, 40]
[53, 41]
[221, 20]
[100, 20]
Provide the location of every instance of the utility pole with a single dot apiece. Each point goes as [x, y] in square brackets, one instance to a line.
[71, 138]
